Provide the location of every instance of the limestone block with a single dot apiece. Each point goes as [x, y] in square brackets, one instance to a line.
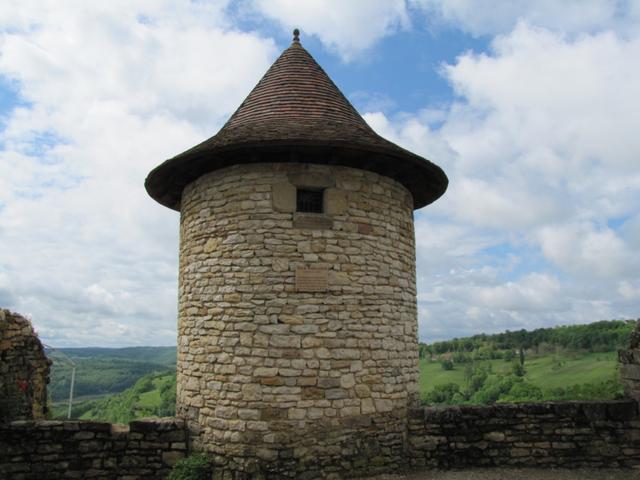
[347, 381]
[335, 394]
[297, 413]
[367, 406]
[283, 196]
[350, 411]
[265, 372]
[312, 180]
[211, 245]
[287, 341]
[335, 201]
[363, 391]
[280, 264]
[251, 391]
[383, 405]
[630, 372]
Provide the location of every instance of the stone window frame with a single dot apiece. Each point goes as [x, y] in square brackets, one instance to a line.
[309, 200]
[334, 200]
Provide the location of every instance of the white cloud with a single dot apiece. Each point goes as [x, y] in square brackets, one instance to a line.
[111, 90]
[499, 16]
[629, 290]
[534, 292]
[541, 150]
[538, 88]
[349, 28]
[540, 225]
[582, 249]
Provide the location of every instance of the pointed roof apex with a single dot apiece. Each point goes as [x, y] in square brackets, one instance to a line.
[297, 114]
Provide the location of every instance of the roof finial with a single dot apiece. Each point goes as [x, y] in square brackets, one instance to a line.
[296, 35]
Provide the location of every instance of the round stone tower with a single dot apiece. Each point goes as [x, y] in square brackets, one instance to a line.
[297, 328]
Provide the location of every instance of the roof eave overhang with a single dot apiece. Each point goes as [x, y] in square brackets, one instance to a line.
[425, 180]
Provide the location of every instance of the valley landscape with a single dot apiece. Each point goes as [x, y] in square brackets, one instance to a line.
[577, 362]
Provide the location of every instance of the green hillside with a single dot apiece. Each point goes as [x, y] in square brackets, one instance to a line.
[104, 371]
[577, 362]
[152, 395]
[160, 355]
[547, 371]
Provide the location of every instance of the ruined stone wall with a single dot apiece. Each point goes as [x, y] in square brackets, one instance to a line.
[74, 449]
[297, 345]
[563, 434]
[630, 365]
[24, 370]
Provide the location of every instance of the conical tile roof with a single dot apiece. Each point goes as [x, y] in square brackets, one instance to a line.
[297, 114]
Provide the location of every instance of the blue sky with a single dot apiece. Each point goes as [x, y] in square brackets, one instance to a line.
[531, 107]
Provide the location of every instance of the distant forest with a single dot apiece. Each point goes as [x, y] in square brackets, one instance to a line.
[602, 336]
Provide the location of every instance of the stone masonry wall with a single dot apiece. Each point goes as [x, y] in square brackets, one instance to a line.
[284, 376]
[76, 449]
[24, 370]
[630, 365]
[567, 434]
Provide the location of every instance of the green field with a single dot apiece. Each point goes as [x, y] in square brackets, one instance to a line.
[566, 370]
[546, 372]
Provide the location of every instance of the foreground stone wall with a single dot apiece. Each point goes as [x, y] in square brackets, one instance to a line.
[567, 434]
[297, 334]
[24, 370]
[76, 449]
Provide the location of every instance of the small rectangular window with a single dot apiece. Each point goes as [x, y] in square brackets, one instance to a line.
[309, 201]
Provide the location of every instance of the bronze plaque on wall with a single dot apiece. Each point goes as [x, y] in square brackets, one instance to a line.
[312, 280]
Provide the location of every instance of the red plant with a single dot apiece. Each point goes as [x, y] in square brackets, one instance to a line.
[22, 385]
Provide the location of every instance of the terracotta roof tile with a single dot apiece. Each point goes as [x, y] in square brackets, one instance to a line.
[296, 113]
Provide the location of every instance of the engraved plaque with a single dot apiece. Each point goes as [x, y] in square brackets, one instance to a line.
[312, 280]
[312, 221]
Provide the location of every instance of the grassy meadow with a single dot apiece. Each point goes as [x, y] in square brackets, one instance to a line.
[545, 371]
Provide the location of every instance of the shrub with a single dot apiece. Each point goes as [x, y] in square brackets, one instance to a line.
[443, 393]
[447, 365]
[195, 467]
[518, 369]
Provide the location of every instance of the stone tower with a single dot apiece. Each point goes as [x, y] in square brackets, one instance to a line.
[297, 328]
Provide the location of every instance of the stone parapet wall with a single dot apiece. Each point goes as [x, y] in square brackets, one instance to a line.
[76, 449]
[563, 434]
[567, 434]
[24, 370]
[297, 332]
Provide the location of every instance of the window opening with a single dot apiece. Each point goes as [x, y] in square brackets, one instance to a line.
[309, 201]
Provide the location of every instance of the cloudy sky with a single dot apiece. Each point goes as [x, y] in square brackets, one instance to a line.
[532, 107]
